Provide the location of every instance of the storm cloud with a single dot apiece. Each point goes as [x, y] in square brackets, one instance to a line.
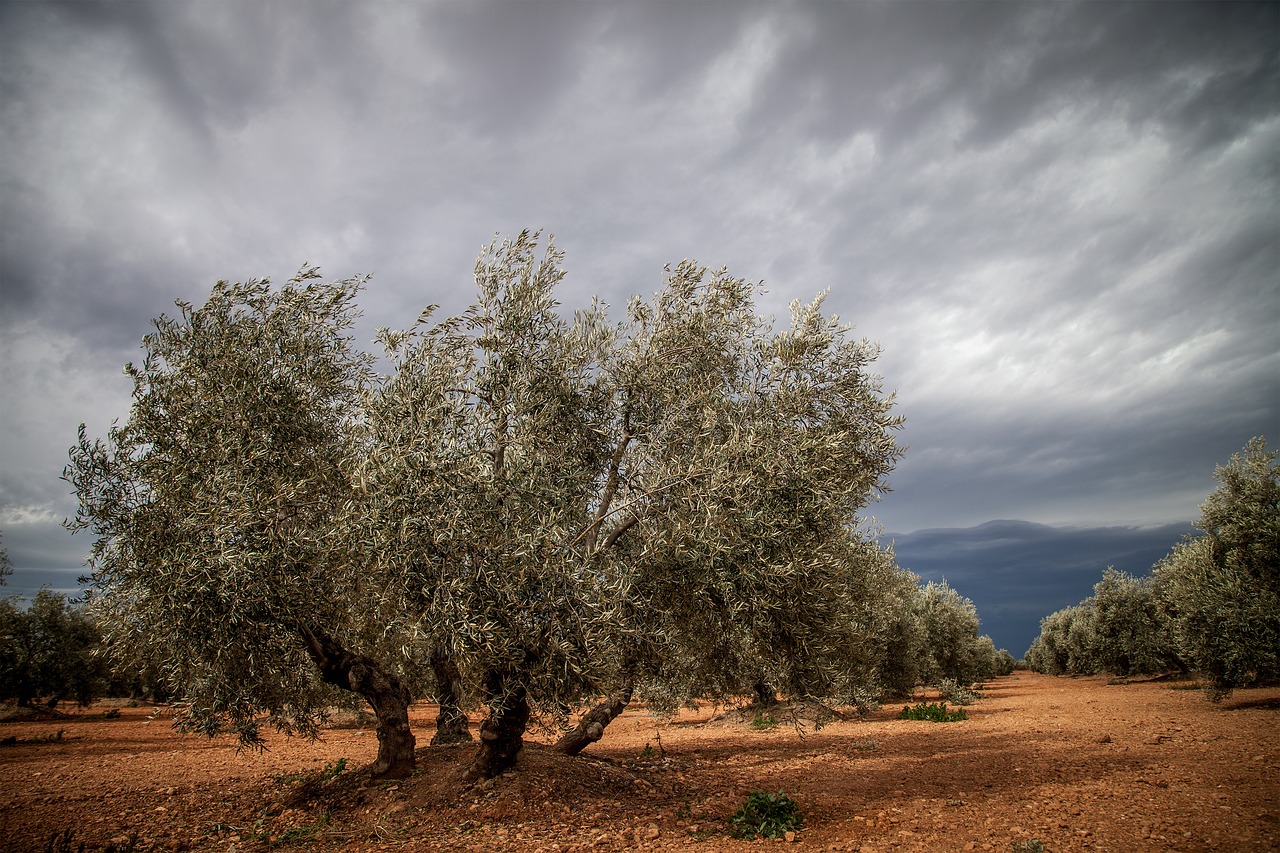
[1059, 220]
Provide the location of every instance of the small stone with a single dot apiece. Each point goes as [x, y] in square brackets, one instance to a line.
[789, 837]
[651, 832]
[1105, 739]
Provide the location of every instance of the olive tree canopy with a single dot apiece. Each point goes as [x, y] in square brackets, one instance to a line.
[214, 506]
[542, 506]
[666, 502]
[1221, 589]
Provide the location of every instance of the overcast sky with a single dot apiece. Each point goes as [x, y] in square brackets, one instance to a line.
[1059, 220]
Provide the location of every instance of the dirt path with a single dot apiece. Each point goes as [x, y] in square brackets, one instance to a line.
[1074, 763]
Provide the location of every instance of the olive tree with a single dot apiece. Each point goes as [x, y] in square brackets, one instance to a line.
[1131, 634]
[47, 652]
[472, 495]
[1067, 643]
[899, 642]
[214, 508]
[727, 511]
[953, 648]
[665, 504]
[1221, 589]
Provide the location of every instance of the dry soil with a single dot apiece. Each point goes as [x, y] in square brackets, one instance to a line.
[1075, 764]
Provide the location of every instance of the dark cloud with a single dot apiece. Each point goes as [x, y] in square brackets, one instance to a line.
[1060, 220]
[1017, 572]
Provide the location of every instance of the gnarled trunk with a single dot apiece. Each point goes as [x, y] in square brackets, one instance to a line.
[765, 697]
[382, 690]
[502, 733]
[592, 725]
[451, 722]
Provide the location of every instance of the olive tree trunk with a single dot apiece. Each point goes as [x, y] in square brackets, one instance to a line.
[502, 733]
[592, 725]
[451, 722]
[764, 694]
[382, 690]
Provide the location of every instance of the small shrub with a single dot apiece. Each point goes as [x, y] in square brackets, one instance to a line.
[333, 769]
[933, 713]
[956, 693]
[765, 815]
[763, 722]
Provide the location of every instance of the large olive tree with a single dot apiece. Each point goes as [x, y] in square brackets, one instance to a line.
[726, 513]
[580, 507]
[215, 507]
[474, 489]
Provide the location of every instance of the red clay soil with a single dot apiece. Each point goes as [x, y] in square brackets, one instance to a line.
[1076, 764]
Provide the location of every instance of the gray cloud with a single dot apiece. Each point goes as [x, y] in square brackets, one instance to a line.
[1060, 220]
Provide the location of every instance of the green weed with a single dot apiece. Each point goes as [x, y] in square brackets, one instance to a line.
[763, 722]
[765, 815]
[932, 713]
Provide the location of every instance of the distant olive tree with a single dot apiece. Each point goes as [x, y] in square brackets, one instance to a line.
[954, 648]
[48, 652]
[1066, 643]
[1221, 588]
[1131, 634]
[899, 642]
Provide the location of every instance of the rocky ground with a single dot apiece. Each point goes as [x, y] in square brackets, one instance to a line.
[1075, 764]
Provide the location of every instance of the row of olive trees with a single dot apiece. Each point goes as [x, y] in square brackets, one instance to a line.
[1213, 604]
[48, 652]
[52, 650]
[530, 511]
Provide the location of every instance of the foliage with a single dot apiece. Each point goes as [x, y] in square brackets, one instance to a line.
[896, 646]
[6, 565]
[1212, 604]
[1131, 634]
[953, 648]
[1221, 589]
[1066, 643]
[766, 815]
[47, 651]
[688, 531]
[557, 506]
[333, 769]
[932, 712]
[213, 505]
[956, 693]
[763, 722]
[473, 493]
